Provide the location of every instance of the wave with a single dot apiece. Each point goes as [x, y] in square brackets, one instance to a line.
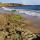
[29, 12]
[32, 12]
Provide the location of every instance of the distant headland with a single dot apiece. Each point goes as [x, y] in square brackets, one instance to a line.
[9, 4]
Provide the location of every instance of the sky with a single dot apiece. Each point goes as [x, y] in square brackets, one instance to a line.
[26, 2]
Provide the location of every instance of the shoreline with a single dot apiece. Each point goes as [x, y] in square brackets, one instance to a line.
[34, 20]
[29, 25]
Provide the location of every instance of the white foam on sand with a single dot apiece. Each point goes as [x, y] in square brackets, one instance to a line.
[32, 13]
[6, 8]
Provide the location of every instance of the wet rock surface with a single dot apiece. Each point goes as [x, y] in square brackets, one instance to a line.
[11, 29]
[16, 34]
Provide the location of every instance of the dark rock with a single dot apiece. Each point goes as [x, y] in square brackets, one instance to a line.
[1, 29]
[8, 23]
[18, 32]
[9, 34]
[5, 36]
[38, 38]
[7, 29]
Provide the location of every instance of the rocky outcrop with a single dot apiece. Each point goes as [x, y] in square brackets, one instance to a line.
[11, 29]
[15, 33]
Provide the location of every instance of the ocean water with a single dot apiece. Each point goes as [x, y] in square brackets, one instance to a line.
[27, 7]
[30, 9]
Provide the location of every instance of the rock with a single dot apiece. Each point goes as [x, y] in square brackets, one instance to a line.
[14, 30]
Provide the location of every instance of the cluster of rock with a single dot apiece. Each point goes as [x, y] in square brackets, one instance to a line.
[14, 31]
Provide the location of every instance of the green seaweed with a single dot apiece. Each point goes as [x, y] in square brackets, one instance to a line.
[13, 10]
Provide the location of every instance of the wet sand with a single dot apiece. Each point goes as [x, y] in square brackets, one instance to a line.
[35, 24]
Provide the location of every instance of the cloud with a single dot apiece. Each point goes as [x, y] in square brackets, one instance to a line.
[30, 2]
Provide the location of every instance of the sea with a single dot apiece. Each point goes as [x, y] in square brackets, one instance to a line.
[27, 7]
[34, 9]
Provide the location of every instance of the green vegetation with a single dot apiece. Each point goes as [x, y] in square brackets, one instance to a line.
[9, 4]
[13, 10]
[17, 17]
[13, 18]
